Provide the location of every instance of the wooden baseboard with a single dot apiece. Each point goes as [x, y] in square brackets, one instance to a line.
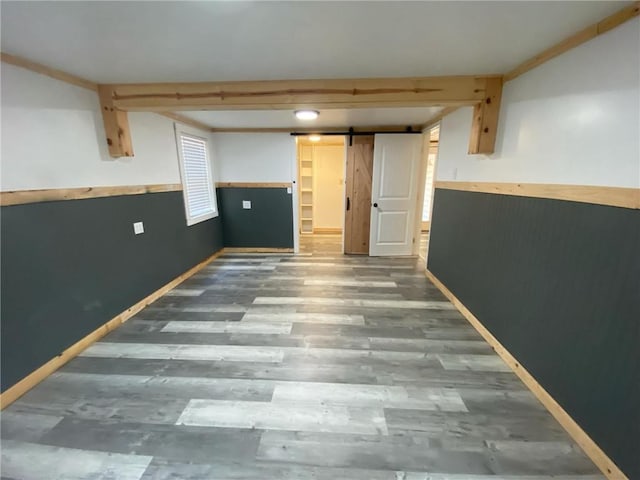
[256, 250]
[31, 380]
[327, 231]
[593, 451]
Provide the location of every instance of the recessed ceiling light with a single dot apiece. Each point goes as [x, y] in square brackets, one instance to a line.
[306, 114]
[315, 138]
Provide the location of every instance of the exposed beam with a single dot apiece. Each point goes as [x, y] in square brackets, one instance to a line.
[319, 130]
[578, 38]
[289, 94]
[485, 119]
[116, 125]
[48, 71]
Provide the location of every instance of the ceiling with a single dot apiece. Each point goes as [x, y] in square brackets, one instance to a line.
[122, 41]
[360, 117]
[125, 41]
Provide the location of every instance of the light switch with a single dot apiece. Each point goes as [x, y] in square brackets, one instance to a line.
[138, 228]
[246, 204]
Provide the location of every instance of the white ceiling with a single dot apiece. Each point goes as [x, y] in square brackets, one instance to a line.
[361, 117]
[235, 40]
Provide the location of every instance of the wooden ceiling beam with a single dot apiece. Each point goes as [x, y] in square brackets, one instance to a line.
[116, 125]
[320, 130]
[48, 71]
[295, 94]
[485, 119]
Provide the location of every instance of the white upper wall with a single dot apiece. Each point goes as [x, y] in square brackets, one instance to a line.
[121, 42]
[52, 137]
[573, 120]
[253, 157]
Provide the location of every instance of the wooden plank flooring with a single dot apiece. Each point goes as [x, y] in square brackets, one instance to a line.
[317, 366]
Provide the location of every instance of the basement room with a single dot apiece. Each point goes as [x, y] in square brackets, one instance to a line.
[320, 240]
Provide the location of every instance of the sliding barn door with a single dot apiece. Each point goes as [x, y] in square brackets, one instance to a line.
[396, 165]
[358, 195]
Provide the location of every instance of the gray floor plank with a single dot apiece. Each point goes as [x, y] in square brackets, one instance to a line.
[177, 443]
[26, 427]
[41, 462]
[155, 387]
[274, 416]
[368, 395]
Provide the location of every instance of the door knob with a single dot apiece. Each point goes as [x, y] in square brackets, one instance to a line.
[375, 205]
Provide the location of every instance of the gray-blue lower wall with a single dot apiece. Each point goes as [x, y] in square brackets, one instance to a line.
[558, 284]
[267, 224]
[68, 267]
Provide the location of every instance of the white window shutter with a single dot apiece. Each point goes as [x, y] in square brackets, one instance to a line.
[197, 183]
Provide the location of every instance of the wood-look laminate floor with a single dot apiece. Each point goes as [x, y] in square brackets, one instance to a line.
[318, 366]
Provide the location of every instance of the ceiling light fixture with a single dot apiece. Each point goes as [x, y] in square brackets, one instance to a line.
[315, 138]
[306, 114]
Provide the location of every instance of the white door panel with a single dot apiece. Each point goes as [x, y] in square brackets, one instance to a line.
[396, 162]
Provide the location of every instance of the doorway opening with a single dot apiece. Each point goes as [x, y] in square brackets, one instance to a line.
[360, 199]
[321, 178]
[430, 150]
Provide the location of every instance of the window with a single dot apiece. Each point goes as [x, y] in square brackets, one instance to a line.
[197, 182]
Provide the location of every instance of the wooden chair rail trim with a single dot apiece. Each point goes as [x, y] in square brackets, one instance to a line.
[611, 196]
[19, 197]
[253, 184]
[31, 380]
[593, 451]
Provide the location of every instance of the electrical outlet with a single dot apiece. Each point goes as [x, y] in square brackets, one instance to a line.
[246, 204]
[138, 228]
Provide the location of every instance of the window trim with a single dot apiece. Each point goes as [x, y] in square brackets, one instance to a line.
[180, 131]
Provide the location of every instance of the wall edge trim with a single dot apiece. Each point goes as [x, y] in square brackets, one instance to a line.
[253, 184]
[588, 33]
[35, 377]
[48, 71]
[610, 196]
[19, 197]
[591, 449]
